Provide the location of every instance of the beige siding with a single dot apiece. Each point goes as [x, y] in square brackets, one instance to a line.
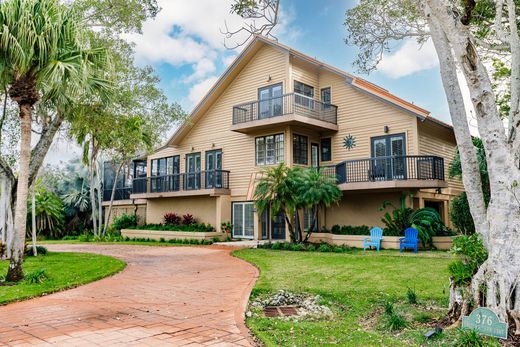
[360, 209]
[268, 66]
[437, 140]
[202, 208]
[364, 116]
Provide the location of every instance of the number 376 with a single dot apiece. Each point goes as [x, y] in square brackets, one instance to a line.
[484, 319]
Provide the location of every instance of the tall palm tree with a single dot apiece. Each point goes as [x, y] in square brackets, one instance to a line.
[44, 50]
[317, 190]
[276, 190]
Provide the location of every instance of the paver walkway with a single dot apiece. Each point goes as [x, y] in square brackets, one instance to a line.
[176, 296]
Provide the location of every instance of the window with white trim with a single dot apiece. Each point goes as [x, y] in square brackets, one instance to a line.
[269, 149]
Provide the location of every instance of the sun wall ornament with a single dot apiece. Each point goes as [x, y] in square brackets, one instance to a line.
[349, 142]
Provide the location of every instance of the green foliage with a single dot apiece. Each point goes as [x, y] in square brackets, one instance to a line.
[196, 227]
[50, 213]
[36, 276]
[188, 219]
[388, 307]
[471, 338]
[460, 215]
[226, 227]
[471, 253]
[422, 317]
[284, 190]
[350, 230]
[125, 221]
[395, 322]
[411, 296]
[40, 250]
[426, 220]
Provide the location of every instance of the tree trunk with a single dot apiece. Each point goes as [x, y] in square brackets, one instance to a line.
[33, 215]
[497, 282]
[15, 272]
[112, 196]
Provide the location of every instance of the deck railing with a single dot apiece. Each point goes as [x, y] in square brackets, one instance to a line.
[189, 181]
[418, 167]
[291, 103]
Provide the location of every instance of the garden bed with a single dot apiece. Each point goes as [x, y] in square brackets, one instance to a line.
[172, 234]
[388, 242]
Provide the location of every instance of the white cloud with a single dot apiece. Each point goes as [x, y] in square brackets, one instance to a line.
[200, 89]
[189, 33]
[408, 59]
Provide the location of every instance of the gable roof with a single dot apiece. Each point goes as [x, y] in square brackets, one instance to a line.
[249, 51]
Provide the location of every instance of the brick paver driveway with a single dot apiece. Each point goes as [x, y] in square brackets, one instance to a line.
[175, 296]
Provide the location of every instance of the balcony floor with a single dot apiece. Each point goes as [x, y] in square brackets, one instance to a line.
[288, 119]
[393, 184]
[198, 192]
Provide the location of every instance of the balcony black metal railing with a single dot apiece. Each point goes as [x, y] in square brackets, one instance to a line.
[291, 103]
[120, 193]
[410, 167]
[190, 181]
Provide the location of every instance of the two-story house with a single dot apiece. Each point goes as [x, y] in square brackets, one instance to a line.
[275, 104]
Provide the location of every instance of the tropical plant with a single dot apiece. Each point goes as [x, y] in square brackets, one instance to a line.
[45, 48]
[226, 227]
[426, 220]
[276, 191]
[471, 253]
[172, 218]
[460, 215]
[316, 190]
[188, 219]
[50, 213]
[125, 221]
[36, 276]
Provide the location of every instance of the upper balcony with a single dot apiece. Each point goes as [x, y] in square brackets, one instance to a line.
[398, 172]
[286, 109]
[212, 183]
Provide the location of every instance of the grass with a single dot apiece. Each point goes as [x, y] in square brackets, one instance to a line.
[357, 285]
[57, 271]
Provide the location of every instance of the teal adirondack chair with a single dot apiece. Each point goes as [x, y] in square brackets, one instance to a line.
[376, 235]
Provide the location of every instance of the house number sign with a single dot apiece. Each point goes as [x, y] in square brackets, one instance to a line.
[485, 322]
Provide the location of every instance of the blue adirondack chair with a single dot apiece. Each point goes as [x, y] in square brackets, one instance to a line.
[376, 235]
[410, 240]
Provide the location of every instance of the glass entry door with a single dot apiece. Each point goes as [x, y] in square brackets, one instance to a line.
[270, 101]
[243, 220]
[213, 169]
[388, 157]
[193, 171]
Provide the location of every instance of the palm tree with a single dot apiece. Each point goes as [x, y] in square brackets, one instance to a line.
[317, 190]
[277, 191]
[44, 50]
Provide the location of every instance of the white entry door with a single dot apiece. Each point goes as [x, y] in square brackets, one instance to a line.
[243, 220]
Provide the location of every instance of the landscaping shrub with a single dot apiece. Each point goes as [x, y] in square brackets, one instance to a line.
[226, 227]
[460, 215]
[172, 218]
[125, 221]
[395, 321]
[324, 248]
[276, 245]
[188, 219]
[350, 230]
[36, 276]
[190, 227]
[422, 317]
[41, 250]
[388, 307]
[411, 296]
[471, 254]
[469, 337]
[69, 238]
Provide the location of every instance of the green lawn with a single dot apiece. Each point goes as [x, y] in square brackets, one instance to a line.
[64, 270]
[356, 286]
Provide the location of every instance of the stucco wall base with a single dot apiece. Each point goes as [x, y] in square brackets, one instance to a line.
[388, 242]
[169, 235]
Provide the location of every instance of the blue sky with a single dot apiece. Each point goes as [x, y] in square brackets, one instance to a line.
[185, 46]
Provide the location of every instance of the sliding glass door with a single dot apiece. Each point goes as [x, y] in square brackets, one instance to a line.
[243, 220]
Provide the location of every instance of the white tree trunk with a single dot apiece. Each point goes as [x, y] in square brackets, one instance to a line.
[15, 272]
[33, 220]
[112, 196]
[500, 274]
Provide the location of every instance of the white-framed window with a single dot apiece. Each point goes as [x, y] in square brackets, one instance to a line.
[243, 219]
[269, 149]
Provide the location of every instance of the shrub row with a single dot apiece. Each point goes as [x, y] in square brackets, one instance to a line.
[119, 238]
[350, 230]
[171, 227]
[299, 247]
